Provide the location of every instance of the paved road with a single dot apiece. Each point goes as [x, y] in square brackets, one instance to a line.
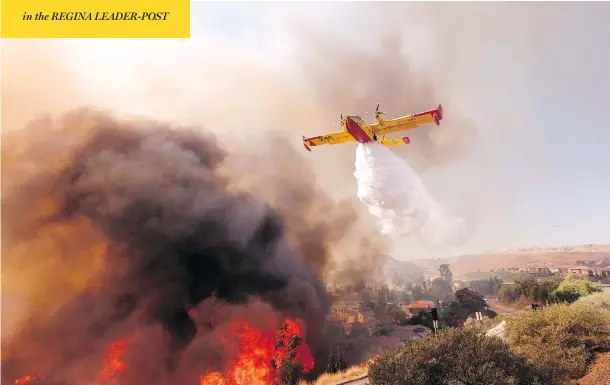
[363, 381]
[497, 331]
[501, 309]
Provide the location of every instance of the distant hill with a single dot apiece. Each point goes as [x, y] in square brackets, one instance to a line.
[410, 271]
[562, 256]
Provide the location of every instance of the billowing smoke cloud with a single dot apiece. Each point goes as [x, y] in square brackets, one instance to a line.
[396, 195]
[149, 221]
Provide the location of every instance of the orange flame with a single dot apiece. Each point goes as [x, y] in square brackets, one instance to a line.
[113, 366]
[24, 380]
[256, 351]
[213, 378]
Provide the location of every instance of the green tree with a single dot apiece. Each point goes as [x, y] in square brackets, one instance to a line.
[406, 297]
[424, 284]
[383, 294]
[418, 292]
[359, 285]
[508, 293]
[579, 286]
[466, 303]
[396, 313]
[440, 289]
[445, 272]
[287, 372]
[530, 288]
[341, 364]
[451, 357]
[489, 286]
[398, 280]
[290, 373]
[560, 340]
[331, 367]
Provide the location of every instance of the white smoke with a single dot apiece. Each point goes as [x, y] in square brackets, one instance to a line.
[396, 195]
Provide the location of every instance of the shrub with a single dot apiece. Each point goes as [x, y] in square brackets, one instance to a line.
[572, 288]
[560, 340]
[597, 300]
[423, 318]
[453, 356]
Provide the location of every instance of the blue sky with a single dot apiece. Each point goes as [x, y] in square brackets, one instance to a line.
[538, 89]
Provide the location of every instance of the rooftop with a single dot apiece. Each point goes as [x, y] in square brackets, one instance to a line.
[421, 304]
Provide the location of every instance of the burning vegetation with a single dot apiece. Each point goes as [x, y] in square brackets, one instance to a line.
[137, 261]
[264, 358]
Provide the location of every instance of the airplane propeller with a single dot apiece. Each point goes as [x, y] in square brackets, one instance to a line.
[377, 112]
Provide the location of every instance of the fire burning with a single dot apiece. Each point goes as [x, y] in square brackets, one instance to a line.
[113, 366]
[24, 380]
[261, 355]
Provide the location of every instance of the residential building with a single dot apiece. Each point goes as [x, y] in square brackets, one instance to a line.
[418, 306]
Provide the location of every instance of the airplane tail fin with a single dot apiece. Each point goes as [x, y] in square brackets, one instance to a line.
[437, 115]
[305, 144]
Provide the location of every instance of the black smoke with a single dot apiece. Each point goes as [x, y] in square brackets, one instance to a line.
[177, 234]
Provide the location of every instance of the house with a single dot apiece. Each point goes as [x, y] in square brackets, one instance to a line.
[418, 306]
[540, 271]
[580, 270]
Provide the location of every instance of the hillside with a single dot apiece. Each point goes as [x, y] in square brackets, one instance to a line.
[408, 270]
[529, 257]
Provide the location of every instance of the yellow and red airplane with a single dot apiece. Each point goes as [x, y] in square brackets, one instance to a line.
[356, 129]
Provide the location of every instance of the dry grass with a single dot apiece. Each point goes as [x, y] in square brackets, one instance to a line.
[331, 379]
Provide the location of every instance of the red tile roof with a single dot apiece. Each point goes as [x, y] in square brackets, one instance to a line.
[421, 305]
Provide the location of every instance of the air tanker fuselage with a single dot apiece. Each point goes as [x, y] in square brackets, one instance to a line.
[359, 130]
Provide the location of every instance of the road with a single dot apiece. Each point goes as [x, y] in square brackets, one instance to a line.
[361, 381]
[501, 309]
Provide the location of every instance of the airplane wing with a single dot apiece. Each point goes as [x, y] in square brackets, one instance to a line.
[407, 122]
[333, 138]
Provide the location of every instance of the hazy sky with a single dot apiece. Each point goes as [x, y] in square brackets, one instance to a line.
[530, 79]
